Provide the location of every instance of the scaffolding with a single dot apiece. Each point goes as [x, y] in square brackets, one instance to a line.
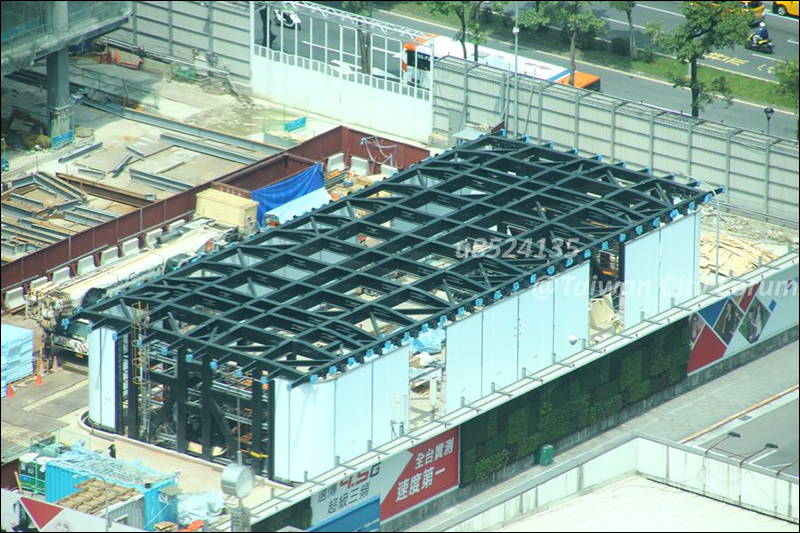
[140, 351]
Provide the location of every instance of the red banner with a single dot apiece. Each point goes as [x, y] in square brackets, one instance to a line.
[432, 468]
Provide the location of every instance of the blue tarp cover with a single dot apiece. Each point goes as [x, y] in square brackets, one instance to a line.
[302, 205]
[287, 190]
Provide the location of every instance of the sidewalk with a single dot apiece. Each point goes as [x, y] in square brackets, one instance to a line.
[675, 420]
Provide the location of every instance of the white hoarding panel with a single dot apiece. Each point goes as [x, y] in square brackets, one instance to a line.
[696, 274]
[311, 420]
[463, 361]
[677, 268]
[353, 411]
[642, 258]
[102, 377]
[536, 322]
[571, 310]
[500, 345]
[281, 428]
[389, 394]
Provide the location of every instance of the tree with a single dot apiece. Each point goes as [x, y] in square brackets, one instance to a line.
[364, 41]
[627, 7]
[708, 26]
[572, 16]
[475, 31]
[468, 14]
[788, 74]
[460, 10]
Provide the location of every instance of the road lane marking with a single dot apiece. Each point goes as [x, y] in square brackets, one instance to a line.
[623, 72]
[793, 42]
[662, 11]
[765, 57]
[624, 23]
[740, 413]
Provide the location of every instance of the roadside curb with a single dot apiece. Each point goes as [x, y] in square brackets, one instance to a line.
[740, 413]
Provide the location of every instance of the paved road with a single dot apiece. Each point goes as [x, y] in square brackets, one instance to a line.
[632, 87]
[680, 418]
[782, 30]
[35, 410]
[780, 426]
[616, 83]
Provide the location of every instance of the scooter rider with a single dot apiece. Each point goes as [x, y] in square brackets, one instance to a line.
[762, 33]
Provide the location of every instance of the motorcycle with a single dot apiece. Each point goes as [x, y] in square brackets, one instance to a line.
[287, 18]
[759, 44]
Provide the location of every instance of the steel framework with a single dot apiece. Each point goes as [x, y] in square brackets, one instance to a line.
[362, 274]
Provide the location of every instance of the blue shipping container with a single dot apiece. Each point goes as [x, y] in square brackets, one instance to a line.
[64, 474]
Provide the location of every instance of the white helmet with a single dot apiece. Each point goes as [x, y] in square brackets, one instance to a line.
[761, 24]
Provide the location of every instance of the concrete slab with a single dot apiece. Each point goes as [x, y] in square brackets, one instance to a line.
[104, 160]
[66, 404]
[148, 147]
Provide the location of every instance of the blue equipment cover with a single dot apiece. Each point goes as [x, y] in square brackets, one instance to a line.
[285, 191]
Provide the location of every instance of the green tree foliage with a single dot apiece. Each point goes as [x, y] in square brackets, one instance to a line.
[462, 10]
[787, 74]
[708, 26]
[469, 17]
[575, 17]
[627, 7]
[364, 41]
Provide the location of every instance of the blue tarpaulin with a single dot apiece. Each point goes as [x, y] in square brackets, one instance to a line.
[287, 190]
[302, 205]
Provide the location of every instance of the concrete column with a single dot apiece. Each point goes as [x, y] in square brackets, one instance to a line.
[59, 110]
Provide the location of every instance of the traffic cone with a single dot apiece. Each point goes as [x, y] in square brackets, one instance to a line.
[55, 363]
[116, 57]
[10, 391]
[39, 372]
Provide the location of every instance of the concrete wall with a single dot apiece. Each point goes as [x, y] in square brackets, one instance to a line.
[716, 477]
[759, 171]
[366, 101]
[218, 32]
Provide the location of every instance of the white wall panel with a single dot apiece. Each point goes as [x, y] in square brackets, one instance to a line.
[463, 362]
[571, 309]
[281, 428]
[641, 277]
[312, 429]
[389, 384]
[696, 256]
[354, 103]
[536, 323]
[353, 411]
[102, 377]
[677, 267]
[500, 345]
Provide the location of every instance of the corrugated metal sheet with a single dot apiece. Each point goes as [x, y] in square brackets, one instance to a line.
[130, 513]
[65, 473]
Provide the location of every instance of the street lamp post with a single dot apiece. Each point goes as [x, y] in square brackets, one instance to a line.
[769, 112]
[516, 70]
[729, 435]
[767, 446]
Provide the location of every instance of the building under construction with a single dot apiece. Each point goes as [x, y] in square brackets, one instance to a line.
[37, 30]
[226, 353]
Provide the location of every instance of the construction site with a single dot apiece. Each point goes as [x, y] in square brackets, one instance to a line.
[279, 316]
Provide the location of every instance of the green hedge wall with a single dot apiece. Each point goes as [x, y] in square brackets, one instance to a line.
[583, 397]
